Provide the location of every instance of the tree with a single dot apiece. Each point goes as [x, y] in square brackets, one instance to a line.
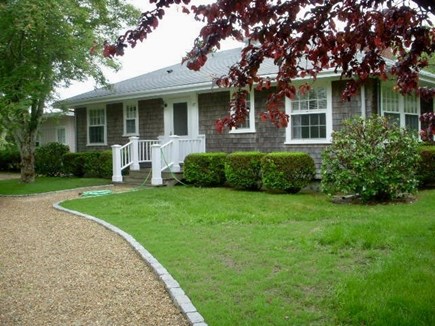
[348, 36]
[45, 44]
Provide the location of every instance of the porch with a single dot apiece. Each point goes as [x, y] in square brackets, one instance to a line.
[164, 154]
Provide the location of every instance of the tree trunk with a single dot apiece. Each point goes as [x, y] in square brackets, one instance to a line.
[27, 152]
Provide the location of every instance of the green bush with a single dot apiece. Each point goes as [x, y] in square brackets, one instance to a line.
[10, 159]
[287, 171]
[243, 170]
[205, 169]
[49, 159]
[370, 158]
[97, 164]
[74, 163]
[426, 168]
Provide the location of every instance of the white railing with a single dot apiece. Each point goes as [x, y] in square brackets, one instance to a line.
[162, 157]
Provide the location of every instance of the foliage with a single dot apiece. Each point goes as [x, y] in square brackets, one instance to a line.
[304, 38]
[74, 164]
[9, 158]
[307, 261]
[47, 184]
[371, 158]
[49, 159]
[205, 169]
[427, 132]
[426, 168]
[287, 171]
[243, 170]
[95, 164]
[45, 44]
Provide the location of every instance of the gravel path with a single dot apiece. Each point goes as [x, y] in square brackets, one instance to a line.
[59, 269]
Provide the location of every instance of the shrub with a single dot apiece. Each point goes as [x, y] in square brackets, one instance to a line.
[205, 169]
[89, 164]
[243, 170]
[48, 159]
[370, 158]
[74, 163]
[98, 164]
[10, 159]
[287, 171]
[426, 168]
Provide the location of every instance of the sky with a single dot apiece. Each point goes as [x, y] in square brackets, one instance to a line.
[165, 46]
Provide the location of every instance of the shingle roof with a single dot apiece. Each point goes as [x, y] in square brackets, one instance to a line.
[177, 77]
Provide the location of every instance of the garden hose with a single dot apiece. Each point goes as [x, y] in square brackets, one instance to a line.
[95, 193]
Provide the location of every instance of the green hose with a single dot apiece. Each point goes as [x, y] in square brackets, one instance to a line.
[95, 193]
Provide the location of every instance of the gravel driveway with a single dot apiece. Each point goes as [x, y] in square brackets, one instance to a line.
[59, 269]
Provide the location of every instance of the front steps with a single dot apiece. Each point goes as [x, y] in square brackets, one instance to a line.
[143, 177]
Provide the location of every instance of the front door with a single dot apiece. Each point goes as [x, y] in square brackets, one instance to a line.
[180, 119]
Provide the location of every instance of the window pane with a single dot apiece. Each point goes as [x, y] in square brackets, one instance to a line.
[390, 99]
[61, 137]
[96, 135]
[131, 112]
[411, 122]
[96, 117]
[393, 118]
[410, 104]
[130, 126]
[308, 126]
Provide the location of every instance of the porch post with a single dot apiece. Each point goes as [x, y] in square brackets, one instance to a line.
[175, 153]
[202, 145]
[134, 153]
[156, 165]
[116, 163]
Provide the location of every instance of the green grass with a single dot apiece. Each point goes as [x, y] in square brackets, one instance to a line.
[248, 258]
[46, 184]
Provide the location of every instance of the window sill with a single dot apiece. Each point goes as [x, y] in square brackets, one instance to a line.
[96, 144]
[242, 131]
[308, 142]
[130, 135]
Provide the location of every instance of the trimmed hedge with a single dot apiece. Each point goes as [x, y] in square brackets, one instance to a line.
[205, 169]
[74, 163]
[49, 159]
[10, 159]
[243, 170]
[287, 171]
[426, 168]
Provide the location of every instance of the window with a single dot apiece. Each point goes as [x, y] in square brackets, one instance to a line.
[398, 109]
[130, 119]
[97, 126]
[61, 135]
[309, 116]
[249, 124]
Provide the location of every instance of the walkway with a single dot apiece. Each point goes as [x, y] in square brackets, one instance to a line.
[59, 269]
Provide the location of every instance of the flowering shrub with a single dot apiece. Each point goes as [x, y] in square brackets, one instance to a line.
[371, 158]
[427, 132]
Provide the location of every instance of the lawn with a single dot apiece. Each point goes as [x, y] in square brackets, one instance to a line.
[46, 184]
[248, 258]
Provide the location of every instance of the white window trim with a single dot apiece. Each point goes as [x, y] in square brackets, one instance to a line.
[401, 112]
[88, 143]
[251, 128]
[328, 139]
[124, 109]
[57, 134]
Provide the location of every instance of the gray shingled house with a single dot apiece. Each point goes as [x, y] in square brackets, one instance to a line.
[147, 111]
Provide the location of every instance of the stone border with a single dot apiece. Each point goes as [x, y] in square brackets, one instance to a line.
[177, 294]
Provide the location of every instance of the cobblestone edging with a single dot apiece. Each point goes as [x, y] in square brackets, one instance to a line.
[177, 294]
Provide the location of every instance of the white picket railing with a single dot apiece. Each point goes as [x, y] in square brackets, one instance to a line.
[162, 157]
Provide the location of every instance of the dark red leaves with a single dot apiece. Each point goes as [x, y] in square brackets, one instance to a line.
[304, 38]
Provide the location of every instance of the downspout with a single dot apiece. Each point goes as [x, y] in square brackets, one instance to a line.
[363, 102]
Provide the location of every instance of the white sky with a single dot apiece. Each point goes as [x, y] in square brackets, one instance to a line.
[164, 47]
